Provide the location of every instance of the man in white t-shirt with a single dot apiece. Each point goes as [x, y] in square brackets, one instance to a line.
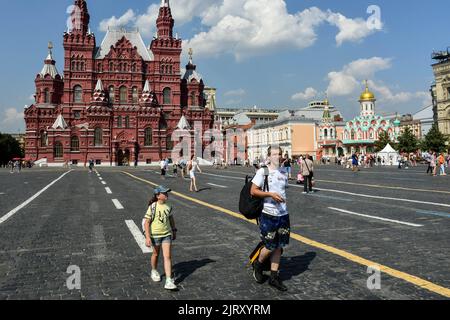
[274, 222]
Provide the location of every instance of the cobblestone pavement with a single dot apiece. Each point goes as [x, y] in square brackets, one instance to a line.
[76, 223]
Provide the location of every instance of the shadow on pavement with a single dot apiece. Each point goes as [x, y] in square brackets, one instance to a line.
[185, 269]
[294, 266]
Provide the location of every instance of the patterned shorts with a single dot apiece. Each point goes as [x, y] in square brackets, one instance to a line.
[275, 231]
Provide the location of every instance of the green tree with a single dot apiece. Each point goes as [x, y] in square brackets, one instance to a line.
[434, 140]
[9, 148]
[382, 142]
[407, 141]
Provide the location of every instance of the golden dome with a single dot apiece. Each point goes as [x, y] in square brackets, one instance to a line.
[367, 95]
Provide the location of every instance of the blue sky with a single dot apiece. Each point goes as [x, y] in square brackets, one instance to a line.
[269, 53]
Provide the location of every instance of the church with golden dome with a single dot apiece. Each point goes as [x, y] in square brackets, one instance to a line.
[360, 133]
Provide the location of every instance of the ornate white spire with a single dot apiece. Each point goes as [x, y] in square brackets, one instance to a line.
[60, 123]
[147, 97]
[49, 64]
[183, 124]
[147, 87]
[99, 92]
[165, 3]
[99, 86]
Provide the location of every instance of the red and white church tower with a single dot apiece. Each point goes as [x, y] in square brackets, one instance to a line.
[118, 102]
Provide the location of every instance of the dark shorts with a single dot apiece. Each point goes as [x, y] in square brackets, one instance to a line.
[275, 231]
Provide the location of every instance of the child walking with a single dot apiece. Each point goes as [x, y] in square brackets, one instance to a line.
[160, 231]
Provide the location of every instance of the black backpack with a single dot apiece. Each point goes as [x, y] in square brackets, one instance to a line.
[250, 206]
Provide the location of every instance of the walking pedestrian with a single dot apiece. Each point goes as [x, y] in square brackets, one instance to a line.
[193, 167]
[355, 162]
[163, 167]
[428, 156]
[288, 166]
[160, 232]
[91, 165]
[441, 163]
[307, 170]
[274, 222]
[433, 163]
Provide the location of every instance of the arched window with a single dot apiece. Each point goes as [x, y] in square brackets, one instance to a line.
[170, 69]
[74, 144]
[193, 99]
[127, 122]
[58, 151]
[135, 95]
[99, 67]
[123, 94]
[331, 134]
[325, 133]
[73, 65]
[148, 141]
[81, 66]
[167, 96]
[133, 67]
[78, 94]
[44, 139]
[46, 96]
[352, 135]
[98, 138]
[112, 96]
[78, 66]
[119, 122]
[111, 66]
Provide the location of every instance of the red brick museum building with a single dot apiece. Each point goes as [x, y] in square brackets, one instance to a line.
[116, 103]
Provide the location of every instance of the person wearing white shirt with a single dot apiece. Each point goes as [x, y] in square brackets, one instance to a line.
[274, 222]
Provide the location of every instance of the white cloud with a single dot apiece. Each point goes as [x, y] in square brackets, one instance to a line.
[307, 95]
[236, 93]
[113, 22]
[352, 30]
[349, 79]
[247, 28]
[387, 96]
[12, 120]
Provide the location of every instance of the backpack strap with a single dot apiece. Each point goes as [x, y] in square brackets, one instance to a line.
[153, 207]
[266, 179]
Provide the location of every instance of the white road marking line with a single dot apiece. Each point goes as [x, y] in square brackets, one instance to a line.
[100, 178]
[2, 193]
[217, 185]
[376, 218]
[118, 204]
[103, 182]
[354, 194]
[14, 211]
[138, 236]
[98, 237]
[108, 190]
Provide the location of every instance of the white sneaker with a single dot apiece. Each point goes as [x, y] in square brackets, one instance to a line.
[156, 276]
[170, 284]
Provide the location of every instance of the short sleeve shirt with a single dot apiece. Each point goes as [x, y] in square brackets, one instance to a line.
[278, 181]
[160, 225]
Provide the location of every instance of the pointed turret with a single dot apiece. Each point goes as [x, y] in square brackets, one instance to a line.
[99, 96]
[80, 17]
[49, 83]
[49, 64]
[165, 21]
[60, 123]
[148, 97]
[183, 124]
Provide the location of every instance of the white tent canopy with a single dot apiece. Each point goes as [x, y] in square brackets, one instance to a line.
[389, 156]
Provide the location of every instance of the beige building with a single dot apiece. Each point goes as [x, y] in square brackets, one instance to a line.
[441, 90]
[295, 135]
